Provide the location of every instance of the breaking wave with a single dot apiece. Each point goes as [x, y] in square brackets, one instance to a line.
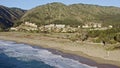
[27, 53]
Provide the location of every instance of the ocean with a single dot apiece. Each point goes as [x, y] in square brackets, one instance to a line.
[16, 55]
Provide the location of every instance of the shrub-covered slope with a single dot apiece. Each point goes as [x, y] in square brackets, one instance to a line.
[8, 16]
[72, 14]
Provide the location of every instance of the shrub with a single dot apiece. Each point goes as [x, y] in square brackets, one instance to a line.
[113, 47]
[94, 33]
[73, 38]
[117, 38]
[97, 40]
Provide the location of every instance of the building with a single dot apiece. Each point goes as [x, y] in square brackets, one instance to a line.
[13, 29]
[55, 26]
[50, 26]
[60, 26]
[92, 25]
[110, 26]
[30, 24]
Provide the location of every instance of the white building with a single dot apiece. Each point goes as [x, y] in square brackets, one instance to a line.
[55, 26]
[91, 24]
[85, 26]
[60, 26]
[79, 26]
[49, 26]
[13, 29]
[110, 26]
[31, 24]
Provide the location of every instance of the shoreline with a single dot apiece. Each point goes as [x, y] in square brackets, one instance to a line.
[81, 59]
[69, 53]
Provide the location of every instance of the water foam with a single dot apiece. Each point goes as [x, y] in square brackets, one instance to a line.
[27, 53]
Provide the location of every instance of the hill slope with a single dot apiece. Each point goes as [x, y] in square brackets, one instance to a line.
[72, 14]
[8, 16]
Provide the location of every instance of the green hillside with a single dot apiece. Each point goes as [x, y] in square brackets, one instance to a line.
[8, 16]
[74, 14]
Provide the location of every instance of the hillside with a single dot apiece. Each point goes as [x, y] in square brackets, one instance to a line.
[74, 14]
[8, 16]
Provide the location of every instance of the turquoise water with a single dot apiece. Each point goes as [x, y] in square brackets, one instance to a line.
[13, 55]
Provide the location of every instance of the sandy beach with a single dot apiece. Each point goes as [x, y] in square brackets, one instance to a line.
[93, 51]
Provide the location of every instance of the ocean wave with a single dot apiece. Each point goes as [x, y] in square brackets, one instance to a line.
[28, 53]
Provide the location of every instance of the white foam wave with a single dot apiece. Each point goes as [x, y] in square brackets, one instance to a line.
[27, 53]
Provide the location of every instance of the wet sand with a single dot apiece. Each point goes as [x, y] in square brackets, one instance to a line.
[79, 58]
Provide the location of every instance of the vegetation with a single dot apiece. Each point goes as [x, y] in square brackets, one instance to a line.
[74, 14]
[9, 16]
[71, 22]
[117, 37]
[81, 35]
[110, 36]
[112, 47]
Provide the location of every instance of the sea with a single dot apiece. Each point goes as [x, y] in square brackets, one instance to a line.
[18, 55]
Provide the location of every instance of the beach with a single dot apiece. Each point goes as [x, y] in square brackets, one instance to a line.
[93, 51]
[19, 55]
